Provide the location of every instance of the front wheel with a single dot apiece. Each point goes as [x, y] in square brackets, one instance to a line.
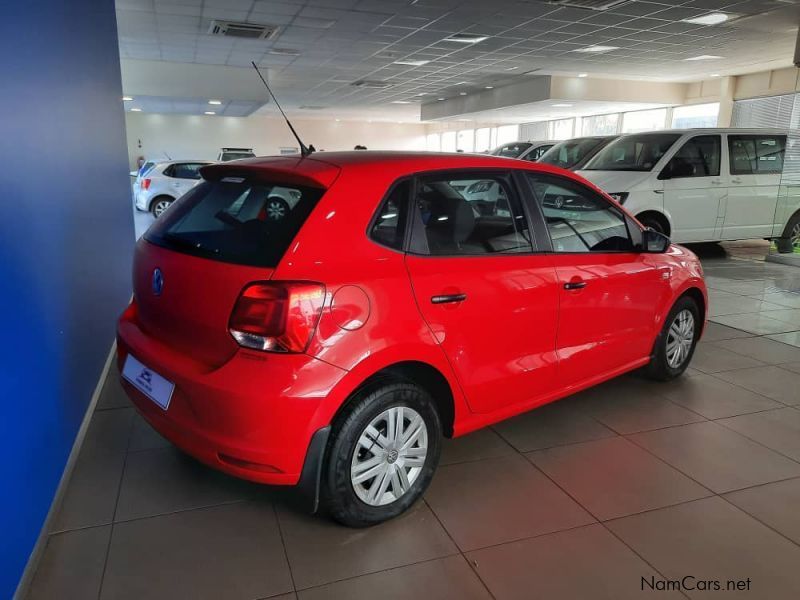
[790, 242]
[382, 454]
[675, 345]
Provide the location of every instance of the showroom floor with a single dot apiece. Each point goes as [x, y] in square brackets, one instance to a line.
[580, 499]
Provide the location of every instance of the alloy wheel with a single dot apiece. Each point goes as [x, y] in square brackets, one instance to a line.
[276, 211]
[389, 456]
[160, 207]
[680, 338]
[794, 237]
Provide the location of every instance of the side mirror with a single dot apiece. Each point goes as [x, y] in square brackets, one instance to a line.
[655, 242]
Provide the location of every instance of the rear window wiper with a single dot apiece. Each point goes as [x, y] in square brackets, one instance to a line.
[182, 242]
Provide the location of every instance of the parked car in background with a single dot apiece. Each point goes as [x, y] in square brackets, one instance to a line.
[226, 154]
[140, 174]
[166, 182]
[575, 153]
[523, 150]
[701, 185]
[333, 348]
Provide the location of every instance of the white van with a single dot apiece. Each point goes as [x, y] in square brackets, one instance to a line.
[699, 185]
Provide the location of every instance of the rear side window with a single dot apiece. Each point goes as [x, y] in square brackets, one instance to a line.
[390, 223]
[236, 221]
[756, 154]
[698, 157]
[184, 170]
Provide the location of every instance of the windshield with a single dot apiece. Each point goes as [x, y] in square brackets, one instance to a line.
[633, 152]
[569, 153]
[237, 221]
[512, 150]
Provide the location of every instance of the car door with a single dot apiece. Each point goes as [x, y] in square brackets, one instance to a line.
[756, 164]
[695, 189]
[608, 289]
[487, 296]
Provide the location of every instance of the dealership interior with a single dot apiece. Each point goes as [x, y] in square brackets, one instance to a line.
[685, 113]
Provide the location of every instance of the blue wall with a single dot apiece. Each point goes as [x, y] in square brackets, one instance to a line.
[66, 236]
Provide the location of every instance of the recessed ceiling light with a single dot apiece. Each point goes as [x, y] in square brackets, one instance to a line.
[582, 75]
[209, 112]
[704, 57]
[715, 75]
[127, 99]
[709, 19]
[440, 99]
[411, 63]
[215, 102]
[562, 105]
[462, 93]
[511, 68]
[136, 110]
[465, 38]
[489, 87]
[400, 102]
[595, 49]
[337, 120]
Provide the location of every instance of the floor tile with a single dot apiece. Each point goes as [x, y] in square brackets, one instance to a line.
[551, 425]
[112, 395]
[713, 398]
[321, 551]
[737, 305]
[500, 500]
[144, 437]
[588, 562]
[739, 287]
[232, 552]
[165, 480]
[715, 332]
[716, 457]
[764, 350]
[774, 504]
[777, 429]
[755, 323]
[109, 432]
[711, 539]
[793, 367]
[774, 382]
[710, 358]
[790, 315]
[792, 338]
[613, 477]
[785, 299]
[444, 579]
[484, 443]
[71, 565]
[91, 493]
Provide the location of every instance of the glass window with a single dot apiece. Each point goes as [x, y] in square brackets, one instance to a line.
[184, 170]
[698, 157]
[563, 129]
[578, 219]
[633, 152]
[695, 115]
[390, 223]
[569, 153]
[433, 142]
[449, 141]
[483, 139]
[472, 213]
[754, 154]
[507, 134]
[512, 150]
[644, 120]
[466, 140]
[537, 152]
[600, 125]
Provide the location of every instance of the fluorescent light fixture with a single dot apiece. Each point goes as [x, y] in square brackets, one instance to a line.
[127, 99]
[597, 49]
[489, 87]
[400, 102]
[704, 57]
[511, 68]
[465, 38]
[582, 75]
[462, 93]
[215, 102]
[209, 112]
[136, 110]
[562, 105]
[715, 75]
[411, 63]
[440, 99]
[709, 19]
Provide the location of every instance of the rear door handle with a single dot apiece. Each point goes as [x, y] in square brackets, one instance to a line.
[575, 285]
[448, 298]
[716, 182]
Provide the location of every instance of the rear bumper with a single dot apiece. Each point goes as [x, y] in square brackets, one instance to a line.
[253, 417]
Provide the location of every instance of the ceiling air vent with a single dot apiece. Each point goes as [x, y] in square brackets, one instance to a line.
[372, 84]
[251, 31]
[590, 4]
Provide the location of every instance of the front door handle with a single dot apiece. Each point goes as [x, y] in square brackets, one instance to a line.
[736, 180]
[716, 182]
[575, 285]
[448, 298]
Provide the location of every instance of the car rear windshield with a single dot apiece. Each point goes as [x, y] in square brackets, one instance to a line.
[235, 220]
[569, 153]
[633, 152]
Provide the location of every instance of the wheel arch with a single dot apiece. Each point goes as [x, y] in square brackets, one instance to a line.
[657, 215]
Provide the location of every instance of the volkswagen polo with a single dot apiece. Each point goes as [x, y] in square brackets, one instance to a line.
[333, 348]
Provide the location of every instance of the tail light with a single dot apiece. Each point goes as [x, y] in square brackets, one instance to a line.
[145, 184]
[277, 316]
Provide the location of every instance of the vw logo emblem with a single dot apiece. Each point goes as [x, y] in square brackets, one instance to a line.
[157, 281]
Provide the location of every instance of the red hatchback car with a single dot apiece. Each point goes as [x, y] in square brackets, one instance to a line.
[402, 297]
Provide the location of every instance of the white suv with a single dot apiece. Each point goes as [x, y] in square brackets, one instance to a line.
[166, 182]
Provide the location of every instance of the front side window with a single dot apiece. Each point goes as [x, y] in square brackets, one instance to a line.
[578, 219]
[633, 152]
[698, 157]
[468, 214]
[389, 226]
[537, 153]
[568, 154]
[756, 154]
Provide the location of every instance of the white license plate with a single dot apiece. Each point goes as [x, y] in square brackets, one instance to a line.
[147, 381]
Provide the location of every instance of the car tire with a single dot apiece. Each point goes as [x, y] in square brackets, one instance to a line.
[159, 205]
[366, 485]
[276, 208]
[653, 224]
[790, 241]
[677, 341]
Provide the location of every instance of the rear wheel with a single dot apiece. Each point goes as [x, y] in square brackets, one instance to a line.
[276, 208]
[675, 345]
[382, 454]
[653, 223]
[790, 242]
[159, 205]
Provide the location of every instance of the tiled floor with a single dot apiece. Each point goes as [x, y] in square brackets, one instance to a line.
[580, 499]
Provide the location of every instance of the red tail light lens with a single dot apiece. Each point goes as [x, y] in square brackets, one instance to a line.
[145, 184]
[277, 316]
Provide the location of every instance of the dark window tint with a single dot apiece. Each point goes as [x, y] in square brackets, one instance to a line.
[698, 157]
[755, 154]
[633, 152]
[390, 222]
[537, 153]
[184, 170]
[227, 156]
[468, 214]
[571, 152]
[578, 219]
[234, 221]
[512, 150]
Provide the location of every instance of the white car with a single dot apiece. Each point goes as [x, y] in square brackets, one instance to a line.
[226, 154]
[165, 182]
[701, 185]
[531, 151]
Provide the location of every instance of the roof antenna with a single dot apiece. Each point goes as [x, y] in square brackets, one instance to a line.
[304, 151]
